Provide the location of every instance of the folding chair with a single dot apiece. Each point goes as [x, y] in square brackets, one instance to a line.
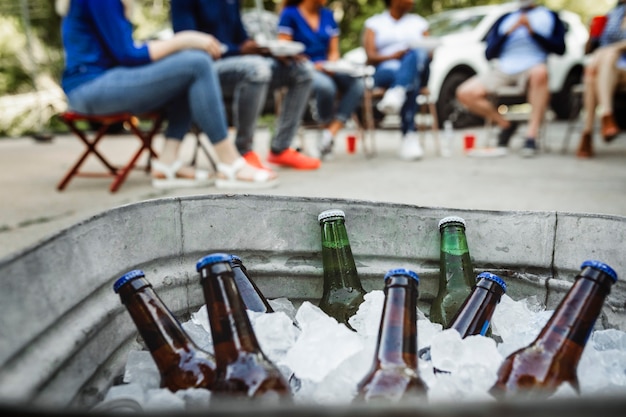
[119, 174]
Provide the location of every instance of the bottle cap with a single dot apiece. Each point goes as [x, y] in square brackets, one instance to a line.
[129, 276]
[492, 277]
[402, 271]
[212, 259]
[330, 213]
[600, 266]
[451, 219]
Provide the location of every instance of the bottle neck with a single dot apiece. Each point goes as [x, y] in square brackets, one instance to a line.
[339, 266]
[158, 327]
[455, 258]
[576, 314]
[397, 335]
[250, 293]
[230, 327]
[475, 314]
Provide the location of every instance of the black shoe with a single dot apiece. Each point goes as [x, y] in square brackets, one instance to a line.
[530, 148]
[505, 134]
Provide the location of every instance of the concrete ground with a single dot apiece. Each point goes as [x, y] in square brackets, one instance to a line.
[32, 208]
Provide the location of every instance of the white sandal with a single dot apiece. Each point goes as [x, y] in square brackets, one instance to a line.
[262, 178]
[171, 180]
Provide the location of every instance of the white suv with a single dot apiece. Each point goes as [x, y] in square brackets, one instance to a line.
[461, 54]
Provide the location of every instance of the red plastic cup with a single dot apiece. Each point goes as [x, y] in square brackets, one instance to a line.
[469, 140]
[596, 27]
[351, 143]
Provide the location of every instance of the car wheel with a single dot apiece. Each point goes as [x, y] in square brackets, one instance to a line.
[448, 108]
[562, 103]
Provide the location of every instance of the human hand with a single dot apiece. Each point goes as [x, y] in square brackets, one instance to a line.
[250, 46]
[192, 39]
[399, 54]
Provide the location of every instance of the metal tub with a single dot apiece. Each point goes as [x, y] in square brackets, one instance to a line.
[64, 335]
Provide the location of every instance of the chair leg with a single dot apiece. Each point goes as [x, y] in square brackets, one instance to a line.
[370, 126]
[146, 145]
[91, 149]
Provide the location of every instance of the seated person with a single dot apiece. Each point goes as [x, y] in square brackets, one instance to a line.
[107, 72]
[522, 41]
[604, 73]
[246, 73]
[399, 67]
[309, 22]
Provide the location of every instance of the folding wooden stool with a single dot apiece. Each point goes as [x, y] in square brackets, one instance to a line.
[119, 174]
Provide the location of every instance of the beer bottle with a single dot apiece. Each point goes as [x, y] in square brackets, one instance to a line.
[181, 363]
[343, 292]
[552, 358]
[456, 274]
[475, 314]
[252, 297]
[394, 374]
[242, 368]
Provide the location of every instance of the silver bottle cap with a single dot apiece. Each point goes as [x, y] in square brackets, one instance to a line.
[330, 213]
[451, 219]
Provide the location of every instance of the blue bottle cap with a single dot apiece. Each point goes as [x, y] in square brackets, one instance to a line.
[492, 277]
[212, 259]
[451, 219]
[129, 276]
[330, 213]
[402, 271]
[600, 266]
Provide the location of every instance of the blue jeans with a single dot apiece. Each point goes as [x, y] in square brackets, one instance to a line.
[247, 79]
[406, 72]
[325, 89]
[184, 85]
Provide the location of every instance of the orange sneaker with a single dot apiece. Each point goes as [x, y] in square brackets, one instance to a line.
[253, 159]
[294, 159]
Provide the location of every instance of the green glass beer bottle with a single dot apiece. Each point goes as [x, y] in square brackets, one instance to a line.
[181, 363]
[242, 367]
[474, 316]
[252, 296]
[456, 273]
[394, 375]
[343, 292]
[552, 358]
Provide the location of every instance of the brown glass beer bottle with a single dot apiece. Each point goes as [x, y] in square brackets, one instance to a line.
[343, 292]
[181, 363]
[394, 374]
[474, 316]
[252, 296]
[540, 368]
[242, 368]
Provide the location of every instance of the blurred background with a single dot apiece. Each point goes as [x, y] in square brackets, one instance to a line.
[31, 57]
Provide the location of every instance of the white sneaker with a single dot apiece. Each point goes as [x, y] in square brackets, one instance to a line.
[410, 148]
[392, 101]
[325, 144]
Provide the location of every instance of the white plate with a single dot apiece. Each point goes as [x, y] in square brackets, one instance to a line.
[342, 66]
[283, 48]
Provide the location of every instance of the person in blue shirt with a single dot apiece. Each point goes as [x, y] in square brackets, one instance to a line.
[604, 73]
[246, 72]
[106, 72]
[309, 22]
[522, 41]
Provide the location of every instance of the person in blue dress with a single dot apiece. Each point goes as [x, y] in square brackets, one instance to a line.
[313, 24]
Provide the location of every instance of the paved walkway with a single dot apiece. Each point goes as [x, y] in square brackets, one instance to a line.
[32, 209]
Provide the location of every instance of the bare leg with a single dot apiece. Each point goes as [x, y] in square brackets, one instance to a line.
[473, 95]
[607, 78]
[590, 96]
[538, 96]
[334, 127]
